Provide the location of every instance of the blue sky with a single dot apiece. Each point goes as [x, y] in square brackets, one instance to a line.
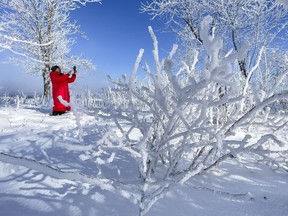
[116, 30]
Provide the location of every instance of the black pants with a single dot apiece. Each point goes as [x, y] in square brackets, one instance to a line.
[55, 113]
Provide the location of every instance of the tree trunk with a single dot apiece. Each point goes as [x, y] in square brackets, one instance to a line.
[241, 63]
[47, 81]
[46, 51]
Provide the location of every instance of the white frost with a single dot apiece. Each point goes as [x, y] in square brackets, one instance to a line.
[62, 101]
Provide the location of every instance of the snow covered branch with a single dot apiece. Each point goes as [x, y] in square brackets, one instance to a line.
[27, 42]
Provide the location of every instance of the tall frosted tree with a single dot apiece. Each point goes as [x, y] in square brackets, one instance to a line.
[255, 24]
[41, 33]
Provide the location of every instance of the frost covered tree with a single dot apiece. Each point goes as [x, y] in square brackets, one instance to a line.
[41, 33]
[255, 24]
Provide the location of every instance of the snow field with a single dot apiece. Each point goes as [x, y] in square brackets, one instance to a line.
[238, 187]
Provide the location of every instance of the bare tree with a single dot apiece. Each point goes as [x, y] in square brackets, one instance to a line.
[26, 24]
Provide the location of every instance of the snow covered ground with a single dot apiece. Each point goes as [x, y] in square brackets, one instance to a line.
[233, 188]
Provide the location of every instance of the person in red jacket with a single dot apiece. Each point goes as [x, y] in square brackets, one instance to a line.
[60, 89]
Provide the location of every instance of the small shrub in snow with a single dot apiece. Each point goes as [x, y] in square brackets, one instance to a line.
[175, 118]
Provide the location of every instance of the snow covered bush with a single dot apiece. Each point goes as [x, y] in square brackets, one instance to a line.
[90, 99]
[21, 99]
[167, 124]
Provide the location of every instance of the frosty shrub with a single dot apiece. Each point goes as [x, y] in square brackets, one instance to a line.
[20, 99]
[173, 115]
[90, 99]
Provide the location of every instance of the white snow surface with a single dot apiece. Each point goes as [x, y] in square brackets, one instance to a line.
[233, 188]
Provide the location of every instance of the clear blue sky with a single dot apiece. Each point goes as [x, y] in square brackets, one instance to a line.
[116, 31]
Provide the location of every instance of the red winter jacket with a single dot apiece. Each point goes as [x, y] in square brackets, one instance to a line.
[60, 88]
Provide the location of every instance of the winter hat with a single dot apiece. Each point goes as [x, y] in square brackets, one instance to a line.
[54, 68]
